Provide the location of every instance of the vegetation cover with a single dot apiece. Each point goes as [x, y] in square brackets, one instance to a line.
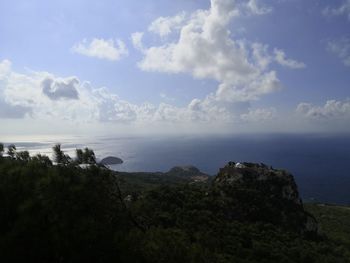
[65, 212]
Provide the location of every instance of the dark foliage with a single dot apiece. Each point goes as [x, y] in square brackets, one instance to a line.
[64, 213]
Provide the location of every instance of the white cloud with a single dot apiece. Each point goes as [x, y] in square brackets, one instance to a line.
[343, 9]
[166, 97]
[332, 110]
[5, 68]
[101, 48]
[341, 48]
[48, 97]
[163, 26]
[22, 96]
[44, 96]
[259, 115]
[8, 111]
[57, 89]
[136, 39]
[280, 58]
[254, 7]
[205, 49]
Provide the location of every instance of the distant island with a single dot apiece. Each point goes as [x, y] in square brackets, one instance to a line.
[111, 160]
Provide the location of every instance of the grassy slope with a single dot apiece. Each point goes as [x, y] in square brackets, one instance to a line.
[334, 222]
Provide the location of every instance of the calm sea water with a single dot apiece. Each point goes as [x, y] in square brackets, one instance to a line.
[320, 164]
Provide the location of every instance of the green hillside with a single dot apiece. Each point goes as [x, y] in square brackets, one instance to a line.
[334, 222]
[71, 213]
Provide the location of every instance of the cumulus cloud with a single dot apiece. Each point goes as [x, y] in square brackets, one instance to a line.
[341, 48]
[259, 115]
[22, 96]
[101, 48]
[331, 110]
[57, 89]
[136, 39]
[44, 96]
[281, 59]
[8, 111]
[5, 68]
[205, 49]
[343, 9]
[254, 7]
[163, 26]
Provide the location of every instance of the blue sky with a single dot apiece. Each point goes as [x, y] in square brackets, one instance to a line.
[219, 66]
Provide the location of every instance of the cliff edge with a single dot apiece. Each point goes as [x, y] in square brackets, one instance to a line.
[257, 192]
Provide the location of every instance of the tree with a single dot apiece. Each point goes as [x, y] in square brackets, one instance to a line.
[80, 156]
[23, 156]
[11, 150]
[58, 154]
[59, 157]
[1, 149]
[89, 156]
[42, 159]
[66, 159]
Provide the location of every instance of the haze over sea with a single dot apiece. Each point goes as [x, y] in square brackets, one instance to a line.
[319, 163]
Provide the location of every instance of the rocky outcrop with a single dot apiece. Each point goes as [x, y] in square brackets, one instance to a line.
[111, 160]
[257, 192]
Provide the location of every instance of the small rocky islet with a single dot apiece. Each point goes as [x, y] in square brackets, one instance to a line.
[111, 160]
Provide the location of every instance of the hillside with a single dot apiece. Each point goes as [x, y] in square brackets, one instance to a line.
[142, 181]
[334, 222]
[65, 213]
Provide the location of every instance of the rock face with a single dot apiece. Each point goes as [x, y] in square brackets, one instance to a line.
[259, 192]
[110, 160]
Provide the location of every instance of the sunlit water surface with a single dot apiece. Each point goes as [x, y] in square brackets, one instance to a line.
[320, 164]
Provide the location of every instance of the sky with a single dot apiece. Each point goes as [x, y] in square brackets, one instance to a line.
[172, 67]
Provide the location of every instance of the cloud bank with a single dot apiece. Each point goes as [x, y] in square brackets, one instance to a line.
[332, 110]
[23, 96]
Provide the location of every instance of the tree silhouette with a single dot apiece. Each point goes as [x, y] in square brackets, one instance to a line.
[42, 159]
[86, 156]
[89, 156]
[59, 157]
[80, 156]
[23, 156]
[11, 150]
[1, 149]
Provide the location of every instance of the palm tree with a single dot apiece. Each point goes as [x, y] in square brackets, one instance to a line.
[11, 150]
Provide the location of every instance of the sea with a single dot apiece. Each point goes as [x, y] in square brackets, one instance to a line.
[319, 163]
